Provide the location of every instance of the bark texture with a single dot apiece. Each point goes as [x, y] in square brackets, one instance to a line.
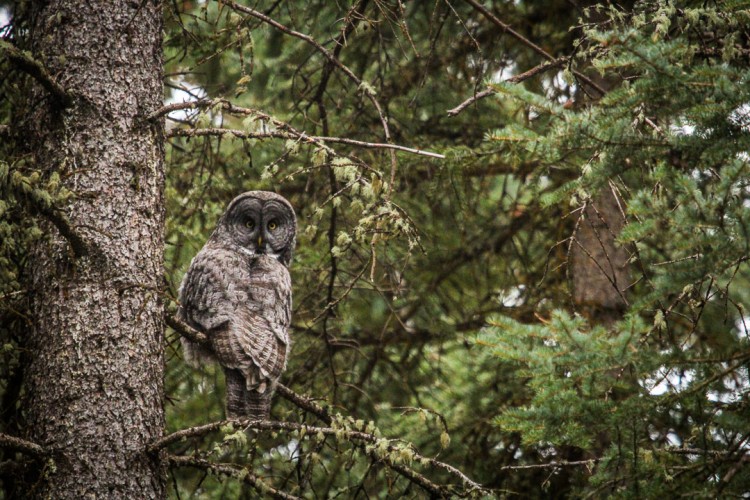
[599, 263]
[94, 383]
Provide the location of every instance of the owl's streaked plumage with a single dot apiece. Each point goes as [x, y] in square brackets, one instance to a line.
[238, 292]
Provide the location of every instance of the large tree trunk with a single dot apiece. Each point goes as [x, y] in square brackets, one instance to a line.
[94, 383]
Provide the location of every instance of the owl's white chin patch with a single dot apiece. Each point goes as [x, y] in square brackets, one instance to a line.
[246, 251]
[252, 253]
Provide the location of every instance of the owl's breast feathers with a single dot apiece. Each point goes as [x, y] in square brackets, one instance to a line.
[243, 303]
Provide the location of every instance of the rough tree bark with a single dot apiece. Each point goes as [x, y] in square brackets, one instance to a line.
[94, 383]
[599, 264]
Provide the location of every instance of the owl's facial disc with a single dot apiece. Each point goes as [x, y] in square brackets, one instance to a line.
[246, 222]
[279, 227]
[261, 222]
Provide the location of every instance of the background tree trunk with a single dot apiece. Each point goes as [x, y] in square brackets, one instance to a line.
[94, 383]
[599, 264]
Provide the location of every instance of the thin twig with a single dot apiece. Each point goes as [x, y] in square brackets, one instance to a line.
[550, 465]
[304, 402]
[541, 68]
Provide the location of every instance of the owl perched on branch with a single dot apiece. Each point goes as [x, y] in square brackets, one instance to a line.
[238, 292]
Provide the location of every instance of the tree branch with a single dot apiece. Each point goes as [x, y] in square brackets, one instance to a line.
[241, 134]
[509, 30]
[333, 60]
[234, 470]
[79, 245]
[23, 61]
[27, 447]
[185, 330]
[513, 79]
[36, 205]
[305, 403]
[592, 461]
[383, 455]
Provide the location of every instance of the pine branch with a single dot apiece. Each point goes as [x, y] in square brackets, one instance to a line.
[386, 455]
[27, 447]
[23, 61]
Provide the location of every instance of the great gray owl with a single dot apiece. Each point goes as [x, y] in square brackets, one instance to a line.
[238, 292]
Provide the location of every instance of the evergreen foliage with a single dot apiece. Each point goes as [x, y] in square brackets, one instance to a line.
[433, 304]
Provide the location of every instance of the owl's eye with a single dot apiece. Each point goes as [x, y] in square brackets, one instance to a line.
[272, 225]
[250, 224]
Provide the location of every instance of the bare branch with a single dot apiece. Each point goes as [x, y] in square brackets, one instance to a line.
[242, 134]
[513, 79]
[27, 447]
[305, 403]
[375, 145]
[509, 30]
[185, 330]
[23, 61]
[471, 100]
[549, 465]
[79, 245]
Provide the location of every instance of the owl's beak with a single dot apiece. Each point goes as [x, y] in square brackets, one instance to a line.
[260, 241]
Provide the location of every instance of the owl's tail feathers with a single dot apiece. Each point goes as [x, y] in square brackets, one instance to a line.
[243, 402]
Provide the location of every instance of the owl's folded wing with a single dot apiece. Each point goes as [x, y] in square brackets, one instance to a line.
[208, 299]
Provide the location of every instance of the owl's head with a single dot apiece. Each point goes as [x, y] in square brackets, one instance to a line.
[260, 223]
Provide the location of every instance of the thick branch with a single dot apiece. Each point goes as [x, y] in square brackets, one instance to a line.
[78, 244]
[23, 61]
[185, 330]
[27, 447]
